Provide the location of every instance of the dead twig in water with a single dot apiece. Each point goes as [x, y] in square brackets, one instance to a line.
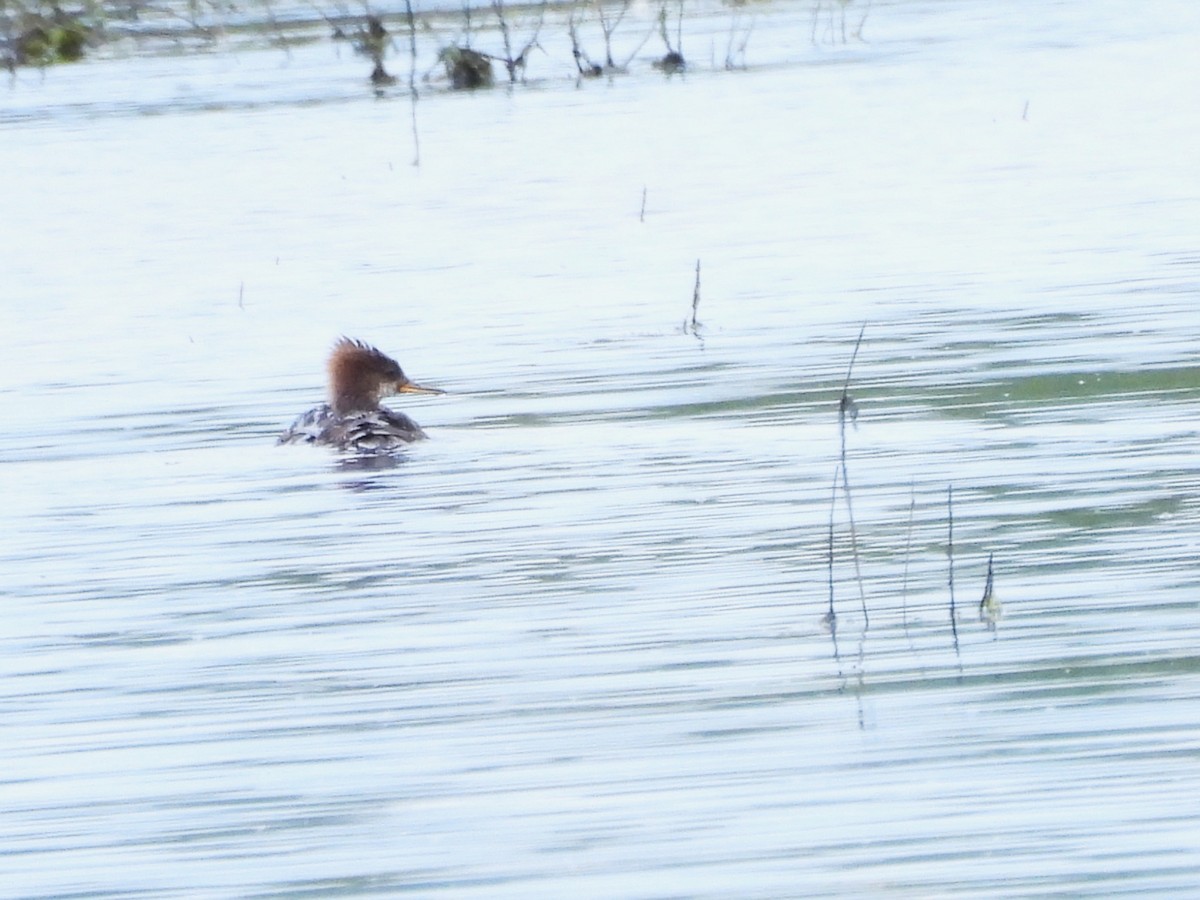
[740, 50]
[858, 32]
[695, 302]
[412, 79]
[693, 326]
[848, 408]
[835, 28]
[642, 214]
[517, 63]
[989, 606]
[608, 24]
[583, 62]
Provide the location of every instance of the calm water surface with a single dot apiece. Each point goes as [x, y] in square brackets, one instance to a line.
[575, 644]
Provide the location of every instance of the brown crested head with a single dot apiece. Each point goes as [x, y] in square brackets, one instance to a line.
[360, 376]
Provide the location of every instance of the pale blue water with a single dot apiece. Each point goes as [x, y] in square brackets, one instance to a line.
[573, 644]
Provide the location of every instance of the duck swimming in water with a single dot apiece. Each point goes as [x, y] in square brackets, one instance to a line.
[353, 419]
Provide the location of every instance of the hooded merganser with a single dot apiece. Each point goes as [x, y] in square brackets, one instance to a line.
[359, 377]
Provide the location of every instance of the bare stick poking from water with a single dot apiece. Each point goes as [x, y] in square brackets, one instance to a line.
[733, 49]
[950, 560]
[516, 64]
[696, 297]
[693, 327]
[848, 408]
[642, 214]
[858, 32]
[609, 20]
[241, 295]
[989, 606]
[412, 79]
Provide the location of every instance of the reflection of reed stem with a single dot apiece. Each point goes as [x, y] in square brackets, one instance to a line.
[831, 616]
[862, 595]
[950, 559]
[912, 506]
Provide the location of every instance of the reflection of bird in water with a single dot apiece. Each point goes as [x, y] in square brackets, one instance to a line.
[353, 419]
